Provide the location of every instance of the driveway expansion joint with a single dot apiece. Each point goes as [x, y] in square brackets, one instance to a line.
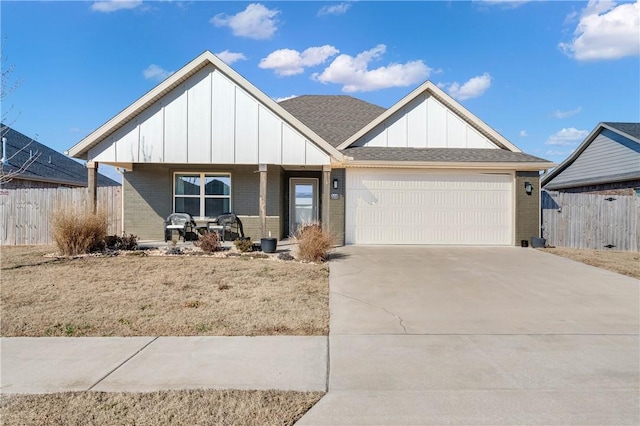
[122, 363]
[398, 317]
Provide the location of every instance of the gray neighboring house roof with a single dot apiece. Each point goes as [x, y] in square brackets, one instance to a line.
[631, 129]
[610, 153]
[332, 117]
[50, 166]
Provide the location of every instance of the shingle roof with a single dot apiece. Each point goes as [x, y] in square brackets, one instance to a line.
[632, 129]
[332, 117]
[439, 155]
[49, 166]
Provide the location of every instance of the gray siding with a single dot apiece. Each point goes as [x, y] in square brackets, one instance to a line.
[610, 156]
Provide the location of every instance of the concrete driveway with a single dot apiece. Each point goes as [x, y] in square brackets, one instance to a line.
[477, 335]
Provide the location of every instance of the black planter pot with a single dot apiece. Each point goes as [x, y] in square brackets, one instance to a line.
[268, 245]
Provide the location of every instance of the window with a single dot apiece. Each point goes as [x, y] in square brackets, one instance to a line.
[202, 194]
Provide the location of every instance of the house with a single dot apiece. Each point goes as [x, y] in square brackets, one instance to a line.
[592, 199]
[606, 162]
[425, 171]
[30, 164]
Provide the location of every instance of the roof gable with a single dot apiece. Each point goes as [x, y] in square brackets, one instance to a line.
[470, 130]
[609, 153]
[49, 165]
[199, 115]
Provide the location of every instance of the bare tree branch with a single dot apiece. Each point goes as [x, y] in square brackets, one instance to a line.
[7, 87]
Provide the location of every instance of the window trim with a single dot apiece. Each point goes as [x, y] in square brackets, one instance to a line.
[202, 196]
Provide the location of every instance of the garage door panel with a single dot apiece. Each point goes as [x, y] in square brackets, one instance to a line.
[409, 207]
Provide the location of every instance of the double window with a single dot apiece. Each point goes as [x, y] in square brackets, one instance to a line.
[202, 194]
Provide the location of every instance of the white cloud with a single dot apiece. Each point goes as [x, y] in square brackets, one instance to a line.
[523, 133]
[557, 153]
[569, 136]
[606, 31]
[336, 9]
[564, 114]
[154, 72]
[231, 57]
[355, 76]
[285, 98]
[114, 5]
[286, 62]
[256, 21]
[473, 88]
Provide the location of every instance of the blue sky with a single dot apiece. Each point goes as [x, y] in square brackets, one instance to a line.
[542, 73]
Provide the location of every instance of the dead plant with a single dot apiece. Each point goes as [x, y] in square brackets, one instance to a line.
[314, 243]
[78, 233]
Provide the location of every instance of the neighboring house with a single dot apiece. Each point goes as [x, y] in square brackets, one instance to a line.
[606, 162]
[45, 168]
[592, 199]
[425, 171]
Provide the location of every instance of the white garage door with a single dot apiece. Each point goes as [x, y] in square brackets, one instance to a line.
[417, 207]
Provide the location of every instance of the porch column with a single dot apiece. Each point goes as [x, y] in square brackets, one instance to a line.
[263, 200]
[92, 185]
[326, 196]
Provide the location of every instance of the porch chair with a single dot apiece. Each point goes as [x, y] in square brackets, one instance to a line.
[182, 223]
[226, 223]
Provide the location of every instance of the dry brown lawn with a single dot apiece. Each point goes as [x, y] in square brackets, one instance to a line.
[622, 262]
[189, 407]
[159, 295]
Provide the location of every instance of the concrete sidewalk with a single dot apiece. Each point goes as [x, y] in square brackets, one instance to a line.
[143, 364]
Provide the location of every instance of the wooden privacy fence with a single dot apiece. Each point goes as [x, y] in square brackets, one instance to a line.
[26, 212]
[591, 221]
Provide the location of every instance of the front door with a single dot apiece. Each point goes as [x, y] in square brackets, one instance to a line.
[303, 204]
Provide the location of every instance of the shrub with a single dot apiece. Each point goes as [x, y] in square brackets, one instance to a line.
[314, 244]
[125, 242]
[208, 242]
[243, 245]
[285, 256]
[78, 233]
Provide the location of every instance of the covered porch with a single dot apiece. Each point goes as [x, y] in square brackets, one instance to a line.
[269, 199]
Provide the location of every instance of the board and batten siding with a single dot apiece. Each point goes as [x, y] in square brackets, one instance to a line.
[608, 156]
[208, 120]
[425, 123]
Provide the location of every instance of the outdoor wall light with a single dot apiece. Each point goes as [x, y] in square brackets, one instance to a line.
[335, 183]
[528, 188]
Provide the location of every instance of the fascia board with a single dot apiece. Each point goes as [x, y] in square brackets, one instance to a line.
[449, 102]
[575, 154]
[81, 148]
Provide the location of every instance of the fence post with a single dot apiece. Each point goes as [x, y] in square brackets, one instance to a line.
[92, 182]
